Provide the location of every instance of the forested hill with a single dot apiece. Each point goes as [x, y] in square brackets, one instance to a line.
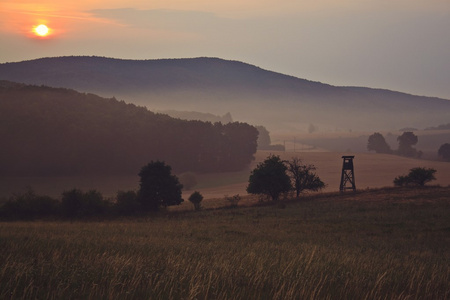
[249, 93]
[57, 131]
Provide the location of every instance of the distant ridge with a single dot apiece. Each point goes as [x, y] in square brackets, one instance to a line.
[249, 93]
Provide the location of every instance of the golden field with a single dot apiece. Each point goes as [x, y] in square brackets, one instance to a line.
[371, 171]
[375, 244]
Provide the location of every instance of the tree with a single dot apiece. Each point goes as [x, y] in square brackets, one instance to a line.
[303, 176]
[158, 187]
[416, 177]
[378, 144]
[405, 143]
[195, 198]
[269, 178]
[444, 151]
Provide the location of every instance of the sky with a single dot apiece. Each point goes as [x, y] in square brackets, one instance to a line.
[401, 45]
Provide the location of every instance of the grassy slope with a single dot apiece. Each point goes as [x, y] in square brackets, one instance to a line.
[389, 243]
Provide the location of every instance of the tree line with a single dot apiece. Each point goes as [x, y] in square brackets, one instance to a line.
[158, 188]
[406, 141]
[55, 131]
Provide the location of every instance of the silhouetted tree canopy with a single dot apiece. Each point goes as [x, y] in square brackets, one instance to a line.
[444, 151]
[196, 198]
[50, 131]
[158, 187]
[378, 144]
[269, 178]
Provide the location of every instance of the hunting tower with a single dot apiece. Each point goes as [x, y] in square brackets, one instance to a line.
[347, 175]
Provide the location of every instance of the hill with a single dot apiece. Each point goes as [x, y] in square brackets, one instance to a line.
[249, 93]
[57, 131]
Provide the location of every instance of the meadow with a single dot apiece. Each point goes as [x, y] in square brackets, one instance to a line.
[390, 243]
[371, 171]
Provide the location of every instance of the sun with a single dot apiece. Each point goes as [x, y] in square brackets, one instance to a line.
[41, 30]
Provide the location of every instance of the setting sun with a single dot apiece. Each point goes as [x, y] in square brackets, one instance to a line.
[41, 30]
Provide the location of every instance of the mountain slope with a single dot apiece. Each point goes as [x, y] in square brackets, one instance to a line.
[249, 93]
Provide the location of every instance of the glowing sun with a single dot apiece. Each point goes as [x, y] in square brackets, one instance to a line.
[41, 30]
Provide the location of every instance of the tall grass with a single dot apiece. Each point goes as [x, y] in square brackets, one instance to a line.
[384, 244]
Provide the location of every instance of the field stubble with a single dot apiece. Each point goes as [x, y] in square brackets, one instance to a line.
[376, 244]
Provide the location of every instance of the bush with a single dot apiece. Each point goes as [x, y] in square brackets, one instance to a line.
[75, 203]
[234, 200]
[127, 203]
[416, 177]
[29, 206]
[195, 199]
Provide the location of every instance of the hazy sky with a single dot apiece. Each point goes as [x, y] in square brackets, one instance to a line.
[402, 45]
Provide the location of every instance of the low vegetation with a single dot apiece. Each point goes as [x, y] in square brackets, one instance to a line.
[376, 244]
[416, 177]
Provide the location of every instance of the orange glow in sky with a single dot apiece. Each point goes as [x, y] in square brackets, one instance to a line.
[400, 45]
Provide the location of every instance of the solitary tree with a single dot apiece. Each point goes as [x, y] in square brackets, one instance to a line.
[303, 176]
[405, 143]
[158, 187]
[195, 198]
[416, 177]
[378, 144]
[444, 151]
[269, 178]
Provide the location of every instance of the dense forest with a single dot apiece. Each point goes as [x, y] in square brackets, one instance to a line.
[58, 131]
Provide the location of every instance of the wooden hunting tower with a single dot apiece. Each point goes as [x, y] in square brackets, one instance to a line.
[347, 175]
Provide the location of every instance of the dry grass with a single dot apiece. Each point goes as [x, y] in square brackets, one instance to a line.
[376, 244]
[371, 171]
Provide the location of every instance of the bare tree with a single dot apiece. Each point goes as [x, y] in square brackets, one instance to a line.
[303, 176]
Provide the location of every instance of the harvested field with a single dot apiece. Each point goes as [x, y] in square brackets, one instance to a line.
[371, 171]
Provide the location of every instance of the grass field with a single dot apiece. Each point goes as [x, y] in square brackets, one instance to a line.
[372, 244]
[371, 171]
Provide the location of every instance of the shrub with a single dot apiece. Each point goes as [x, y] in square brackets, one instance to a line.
[75, 203]
[29, 206]
[416, 177]
[195, 198]
[234, 200]
[127, 203]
